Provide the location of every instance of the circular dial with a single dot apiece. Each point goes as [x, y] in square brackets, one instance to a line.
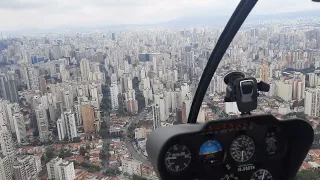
[229, 177]
[242, 148]
[262, 174]
[272, 144]
[177, 158]
[212, 153]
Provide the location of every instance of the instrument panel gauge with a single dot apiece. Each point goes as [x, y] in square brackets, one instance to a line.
[177, 158]
[273, 144]
[230, 177]
[262, 174]
[212, 153]
[242, 149]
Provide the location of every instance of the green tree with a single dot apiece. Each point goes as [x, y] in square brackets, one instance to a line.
[136, 177]
[112, 172]
[308, 175]
[104, 133]
[105, 105]
[139, 96]
[48, 155]
[65, 153]
[82, 151]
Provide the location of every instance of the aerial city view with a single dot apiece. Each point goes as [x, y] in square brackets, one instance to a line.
[79, 104]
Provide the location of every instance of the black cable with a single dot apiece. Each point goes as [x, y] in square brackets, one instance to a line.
[238, 17]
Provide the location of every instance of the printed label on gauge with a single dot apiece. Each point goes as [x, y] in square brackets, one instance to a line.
[249, 167]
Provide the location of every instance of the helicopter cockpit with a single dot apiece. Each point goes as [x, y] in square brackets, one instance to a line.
[258, 147]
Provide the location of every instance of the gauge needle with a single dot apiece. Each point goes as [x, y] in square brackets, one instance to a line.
[242, 152]
[263, 175]
[170, 158]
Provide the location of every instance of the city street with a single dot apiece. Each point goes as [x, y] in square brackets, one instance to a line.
[129, 145]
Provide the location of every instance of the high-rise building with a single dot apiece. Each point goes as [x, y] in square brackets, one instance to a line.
[70, 125]
[264, 72]
[88, 118]
[186, 105]
[42, 84]
[61, 128]
[312, 102]
[33, 78]
[113, 36]
[59, 169]
[5, 167]
[43, 124]
[7, 147]
[53, 168]
[8, 88]
[114, 96]
[156, 116]
[284, 90]
[24, 168]
[68, 100]
[254, 32]
[66, 171]
[56, 52]
[85, 69]
[20, 127]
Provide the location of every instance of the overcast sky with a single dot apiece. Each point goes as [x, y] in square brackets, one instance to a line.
[46, 14]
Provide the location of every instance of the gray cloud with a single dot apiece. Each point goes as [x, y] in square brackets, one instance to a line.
[16, 4]
[46, 14]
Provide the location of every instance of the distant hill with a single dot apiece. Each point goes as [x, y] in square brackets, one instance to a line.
[221, 20]
[196, 20]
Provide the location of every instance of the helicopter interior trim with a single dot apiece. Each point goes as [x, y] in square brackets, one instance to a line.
[231, 29]
[246, 148]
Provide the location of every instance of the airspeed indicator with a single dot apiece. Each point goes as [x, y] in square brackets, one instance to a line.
[177, 158]
[242, 149]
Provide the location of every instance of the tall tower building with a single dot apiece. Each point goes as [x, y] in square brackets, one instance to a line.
[53, 168]
[33, 78]
[6, 142]
[299, 85]
[20, 127]
[70, 124]
[8, 88]
[43, 124]
[114, 96]
[66, 171]
[56, 52]
[264, 72]
[88, 118]
[61, 128]
[68, 100]
[156, 116]
[312, 102]
[85, 69]
[5, 167]
[24, 168]
[186, 105]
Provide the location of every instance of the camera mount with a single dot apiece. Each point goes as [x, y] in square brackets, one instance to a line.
[244, 91]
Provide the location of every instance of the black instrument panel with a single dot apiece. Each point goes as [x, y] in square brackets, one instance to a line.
[247, 148]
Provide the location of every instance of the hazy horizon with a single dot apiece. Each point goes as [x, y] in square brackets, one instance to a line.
[52, 14]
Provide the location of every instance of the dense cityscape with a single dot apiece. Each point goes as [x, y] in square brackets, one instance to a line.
[81, 106]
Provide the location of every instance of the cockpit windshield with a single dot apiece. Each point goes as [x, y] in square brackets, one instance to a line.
[84, 83]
